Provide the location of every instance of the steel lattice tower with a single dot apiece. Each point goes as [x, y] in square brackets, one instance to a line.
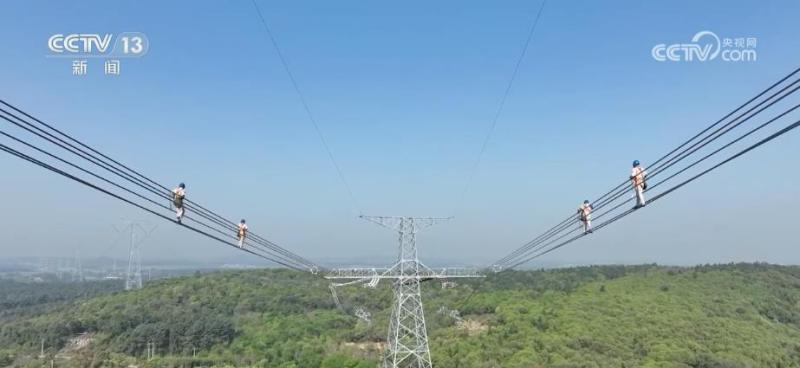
[78, 275]
[407, 339]
[133, 278]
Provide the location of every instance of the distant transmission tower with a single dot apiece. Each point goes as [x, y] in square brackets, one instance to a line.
[77, 276]
[407, 338]
[133, 279]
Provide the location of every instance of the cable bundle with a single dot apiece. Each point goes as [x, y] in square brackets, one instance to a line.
[613, 200]
[134, 189]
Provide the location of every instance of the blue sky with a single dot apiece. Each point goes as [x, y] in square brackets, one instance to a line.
[404, 93]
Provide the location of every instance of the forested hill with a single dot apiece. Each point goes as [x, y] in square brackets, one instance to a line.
[743, 315]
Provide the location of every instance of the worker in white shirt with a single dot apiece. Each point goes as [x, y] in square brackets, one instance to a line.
[637, 181]
[585, 216]
[241, 233]
[178, 194]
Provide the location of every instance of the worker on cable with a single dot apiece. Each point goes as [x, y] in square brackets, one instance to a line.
[241, 233]
[585, 216]
[639, 185]
[178, 194]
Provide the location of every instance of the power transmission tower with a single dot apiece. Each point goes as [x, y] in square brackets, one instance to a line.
[133, 278]
[77, 276]
[60, 269]
[407, 338]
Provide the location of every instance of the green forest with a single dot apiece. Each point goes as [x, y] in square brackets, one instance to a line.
[735, 315]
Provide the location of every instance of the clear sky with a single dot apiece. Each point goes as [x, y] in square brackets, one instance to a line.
[404, 92]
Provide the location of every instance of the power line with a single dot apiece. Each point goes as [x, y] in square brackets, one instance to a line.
[115, 170]
[307, 108]
[500, 107]
[155, 185]
[150, 185]
[114, 184]
[547, 239]
[670, 190]
[722, 130]
[539, 242]
[621, 188]
[44, 165]
[742, 106]
[106, 180]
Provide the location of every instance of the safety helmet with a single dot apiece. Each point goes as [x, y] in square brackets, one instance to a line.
[242, 221]
[586, 201]
[182, 185]
[635, 163]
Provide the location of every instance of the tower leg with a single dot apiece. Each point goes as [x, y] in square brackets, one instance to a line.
[408, 337]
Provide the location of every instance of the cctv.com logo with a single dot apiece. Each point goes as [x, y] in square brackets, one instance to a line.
[707, 46]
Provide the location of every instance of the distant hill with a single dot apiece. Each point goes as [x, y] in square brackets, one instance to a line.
[739, 315]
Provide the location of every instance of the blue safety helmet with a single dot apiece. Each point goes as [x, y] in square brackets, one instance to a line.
[182, 185]
[586, 201]
[242, 221]
[635, 163]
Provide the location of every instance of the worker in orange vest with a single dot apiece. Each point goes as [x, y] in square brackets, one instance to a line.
[638, 183]
[585, 216]
[241, 233]
[178, 194]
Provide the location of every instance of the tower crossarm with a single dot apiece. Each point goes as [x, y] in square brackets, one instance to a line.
[392, 273]
[394, 223]
[356, 273]
[452, 272]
